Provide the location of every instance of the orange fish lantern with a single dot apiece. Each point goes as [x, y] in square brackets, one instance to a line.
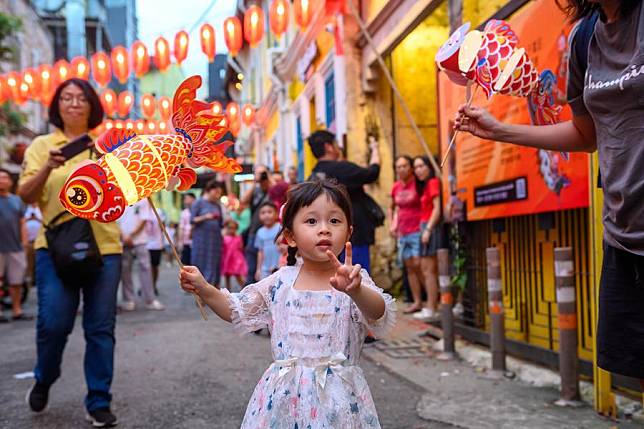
[181, 41]
[120, 63]
[109, 102]
[303, 13]
[248, 114]
[140, 58]
[80, 68]
[208, 41]
[161, 54]
[253, 25]
[125, 101]
[62, 71]
[278, 17]
[233, 35]
[101, 70]
[148, 106]
[135, 166]
[165, 106]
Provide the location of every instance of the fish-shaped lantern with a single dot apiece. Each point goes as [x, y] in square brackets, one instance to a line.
[135, 166]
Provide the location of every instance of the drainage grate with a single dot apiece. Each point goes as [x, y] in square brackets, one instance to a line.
[405, 349]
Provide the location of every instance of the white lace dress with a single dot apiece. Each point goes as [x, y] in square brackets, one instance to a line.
[316, 339]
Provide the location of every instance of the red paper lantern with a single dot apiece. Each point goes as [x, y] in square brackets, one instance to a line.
[163, 127]
[161, 54]
[165, 108]
[181, 41]
[208, 41]
[148, 106]
[234, 127]
[119, 124]
[129, 124]
[24, 92]
[62, 71]
[101, 71]
[303, 13]
[46, 83]
[232, 112]
[4, 90]
[125, 101]
[140, 58]
[80, 68]
[13, 87]
[139, 125]
[108, 100]
[278, 17]
[109, 124]
[120, 63]
[32, 79]
[253, 25]
[233, 35]
[248, 114]
[151, 127]
[216, 107]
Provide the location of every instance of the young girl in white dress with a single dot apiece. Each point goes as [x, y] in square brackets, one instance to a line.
[318, 310]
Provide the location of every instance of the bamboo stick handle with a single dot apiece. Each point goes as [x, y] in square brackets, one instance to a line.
[451, 142]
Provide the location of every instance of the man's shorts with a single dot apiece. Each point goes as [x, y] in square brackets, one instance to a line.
[13, 266]
[409, 246]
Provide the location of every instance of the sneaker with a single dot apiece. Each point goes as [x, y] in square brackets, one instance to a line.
[128, 306]
[458, 310]
[37, 397]
[102, 418]
[425, 314]
[155, 305]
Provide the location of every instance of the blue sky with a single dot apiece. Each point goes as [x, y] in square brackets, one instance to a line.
[166, 17]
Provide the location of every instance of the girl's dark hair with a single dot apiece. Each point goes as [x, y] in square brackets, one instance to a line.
[96, 112]
[213, 184]
[303, 194]
[421, 184]
[267, 203]
[578, 9]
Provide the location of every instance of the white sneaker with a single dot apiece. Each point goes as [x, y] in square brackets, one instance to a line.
[128, 306]
[155, 305]
[425, 314]
[458, 310]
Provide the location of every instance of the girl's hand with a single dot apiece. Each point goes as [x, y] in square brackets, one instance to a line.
[192, 281]
[425, 237]
[477, 121]
[347, 277]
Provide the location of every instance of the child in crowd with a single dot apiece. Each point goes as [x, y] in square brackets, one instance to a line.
[318, 311]
[233, 262]
[268, 254]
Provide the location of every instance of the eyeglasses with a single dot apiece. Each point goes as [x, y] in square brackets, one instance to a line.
[69, 99]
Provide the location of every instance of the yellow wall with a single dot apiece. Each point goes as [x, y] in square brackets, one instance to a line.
[371, 9]
[477, 11]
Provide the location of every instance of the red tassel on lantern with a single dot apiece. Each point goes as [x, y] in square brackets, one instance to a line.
[233, 35]
[120, 65]
[140, 58]
[148, 106]
[278, 17]
[248, 114]
[161, 54]
[62, 71]
[108, 100]
[80, 68]
[101, 71]
[253, 25]
[165, 108]
[216, 107]
[208, 41]
[181, 41]
[125, 101]
[302, 11]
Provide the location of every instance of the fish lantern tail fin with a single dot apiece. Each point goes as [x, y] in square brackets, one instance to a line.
[196, 121]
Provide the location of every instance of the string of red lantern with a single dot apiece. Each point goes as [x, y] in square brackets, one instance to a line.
[278, 17]
[253, 25]
[233, 35]
[208, 41]
[181, 42]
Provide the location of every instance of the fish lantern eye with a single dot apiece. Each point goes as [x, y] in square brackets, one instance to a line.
[84, 194]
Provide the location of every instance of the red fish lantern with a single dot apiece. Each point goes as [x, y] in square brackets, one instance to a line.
[148, 106]
[253, 25]
[101, 70]
[125, 101]
[181, 41]
[108, 101]
[165, 108]
[140, 58]
[161, 54]
[208, 41]
[232, 112]
[278, 17]
[62, 71]
[80, 68]
[248, 114]
[120, 63]
[233, 35]
[303, 13]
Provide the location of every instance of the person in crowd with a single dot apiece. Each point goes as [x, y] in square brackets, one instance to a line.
[184, 238]
[277, 191]
[74, 110]
[605, 87]
[155, 245]
[207, 219]
[329, 166]
[13, 242]
[318, 311]
[292, 175]
[233, 262]
[268, 253]
[33, 222]
[241, 215]
[428, 187]
[134, 235]
[253, 199]
[405, 215]
[167, 247]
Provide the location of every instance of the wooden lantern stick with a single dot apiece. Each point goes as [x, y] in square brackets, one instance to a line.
[197, 298]
[451, 142]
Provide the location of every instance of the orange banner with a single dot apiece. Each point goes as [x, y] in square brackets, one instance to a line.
[496, 179]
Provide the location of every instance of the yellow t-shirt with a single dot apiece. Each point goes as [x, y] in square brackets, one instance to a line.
[107, 235]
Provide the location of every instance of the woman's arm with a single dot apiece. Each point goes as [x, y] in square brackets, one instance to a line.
[576, 135]
[436, 213]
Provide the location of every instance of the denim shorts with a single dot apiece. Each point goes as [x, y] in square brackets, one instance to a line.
[409, 246]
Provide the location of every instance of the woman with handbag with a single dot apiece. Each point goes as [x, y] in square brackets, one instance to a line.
[74, 110]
